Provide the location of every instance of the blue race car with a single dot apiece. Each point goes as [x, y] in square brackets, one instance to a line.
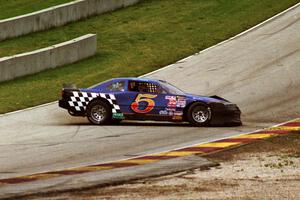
[147, 99]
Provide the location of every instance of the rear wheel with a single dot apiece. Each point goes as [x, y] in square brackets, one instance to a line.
[99, 112]
[199, 114]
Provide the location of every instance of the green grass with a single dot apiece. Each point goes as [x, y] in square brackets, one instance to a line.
[133, 41]
[12, 8]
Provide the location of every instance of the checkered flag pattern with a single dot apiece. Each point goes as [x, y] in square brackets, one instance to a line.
[80, 100]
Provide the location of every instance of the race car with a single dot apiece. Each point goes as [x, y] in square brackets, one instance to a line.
[147, 99]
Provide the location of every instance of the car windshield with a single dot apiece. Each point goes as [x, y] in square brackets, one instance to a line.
[171, 89]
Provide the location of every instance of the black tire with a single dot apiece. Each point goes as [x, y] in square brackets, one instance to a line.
[199, 114]
[99, 112]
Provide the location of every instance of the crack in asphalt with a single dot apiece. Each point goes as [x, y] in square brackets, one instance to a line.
[76, 132]
[256, 73]
[283, 28]
[69, 141]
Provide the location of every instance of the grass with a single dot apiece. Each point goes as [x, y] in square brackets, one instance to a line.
[133, 41]
[12, 8]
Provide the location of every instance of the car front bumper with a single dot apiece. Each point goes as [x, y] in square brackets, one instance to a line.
[225, 114]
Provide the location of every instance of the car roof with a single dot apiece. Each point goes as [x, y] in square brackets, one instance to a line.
[137, 79]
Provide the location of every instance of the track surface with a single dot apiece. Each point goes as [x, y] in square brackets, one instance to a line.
[259, 71]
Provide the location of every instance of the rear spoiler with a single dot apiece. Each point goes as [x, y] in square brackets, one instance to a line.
[219, 98]
[69, 86]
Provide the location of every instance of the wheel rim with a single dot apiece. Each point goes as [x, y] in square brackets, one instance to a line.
[201, 115]
[98, 113]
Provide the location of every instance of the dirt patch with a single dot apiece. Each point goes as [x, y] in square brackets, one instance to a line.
[268, 169]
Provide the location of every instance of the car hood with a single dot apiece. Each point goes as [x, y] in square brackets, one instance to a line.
[208, 99]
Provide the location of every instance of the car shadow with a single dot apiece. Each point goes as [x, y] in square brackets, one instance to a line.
[147, 124]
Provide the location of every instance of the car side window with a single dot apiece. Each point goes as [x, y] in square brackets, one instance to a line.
[118, 86]
[139, 86]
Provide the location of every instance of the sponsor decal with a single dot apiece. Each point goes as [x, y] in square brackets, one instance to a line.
[178, 113]
[168, 111]
[172, 101]
[176, 117]
[171, 112]
[176, 101]
[163, 112]
[118, 116]
[181, 102]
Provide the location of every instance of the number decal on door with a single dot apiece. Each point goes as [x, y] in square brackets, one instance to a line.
[148, 98]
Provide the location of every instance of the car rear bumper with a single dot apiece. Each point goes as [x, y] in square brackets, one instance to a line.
[72, 111]
[63, 104]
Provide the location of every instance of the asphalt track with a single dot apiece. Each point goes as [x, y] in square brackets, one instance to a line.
[259, 70]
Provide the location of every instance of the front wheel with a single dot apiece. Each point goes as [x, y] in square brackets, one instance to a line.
[99, 112]
[199, 114]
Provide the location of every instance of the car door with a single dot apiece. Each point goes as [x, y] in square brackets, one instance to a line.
[142, 100]
[150, 101]
[155, 103]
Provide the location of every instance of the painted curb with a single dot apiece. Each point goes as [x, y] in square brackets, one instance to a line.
[196, 149]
